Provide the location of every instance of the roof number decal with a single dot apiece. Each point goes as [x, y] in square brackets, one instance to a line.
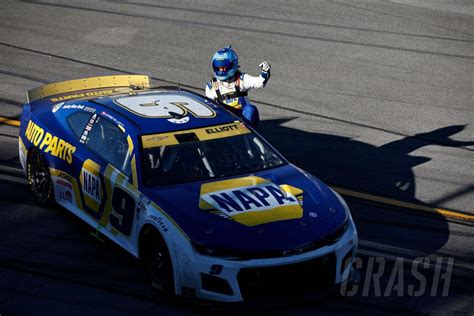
[175, 108]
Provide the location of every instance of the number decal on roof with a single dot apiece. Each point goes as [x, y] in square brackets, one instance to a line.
[165, 106]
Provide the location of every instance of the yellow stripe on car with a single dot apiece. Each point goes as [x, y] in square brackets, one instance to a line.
[205, 133]
[276, 214]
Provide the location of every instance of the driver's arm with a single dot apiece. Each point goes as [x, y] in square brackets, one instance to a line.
[251, 82]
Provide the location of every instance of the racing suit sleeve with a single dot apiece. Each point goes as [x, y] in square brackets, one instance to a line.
[210, 93]
[249, 82]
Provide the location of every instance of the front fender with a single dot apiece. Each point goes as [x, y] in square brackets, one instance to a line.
[178, 243]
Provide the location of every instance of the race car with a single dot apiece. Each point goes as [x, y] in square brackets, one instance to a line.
[212, 209]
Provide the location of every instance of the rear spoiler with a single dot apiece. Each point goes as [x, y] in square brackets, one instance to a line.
[132, 81]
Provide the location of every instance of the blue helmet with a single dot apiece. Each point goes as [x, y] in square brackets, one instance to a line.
[225, 63]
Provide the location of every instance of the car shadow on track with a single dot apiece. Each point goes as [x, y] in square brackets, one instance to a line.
[385, 170]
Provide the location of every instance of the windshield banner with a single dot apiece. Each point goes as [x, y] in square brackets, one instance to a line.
[199, 134]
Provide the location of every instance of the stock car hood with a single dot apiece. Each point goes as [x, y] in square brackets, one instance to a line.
[272, 210]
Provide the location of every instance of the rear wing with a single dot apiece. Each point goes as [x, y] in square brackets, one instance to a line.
[104, 82]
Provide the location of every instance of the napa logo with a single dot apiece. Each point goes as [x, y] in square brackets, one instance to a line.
[91, 184]
[251, 200]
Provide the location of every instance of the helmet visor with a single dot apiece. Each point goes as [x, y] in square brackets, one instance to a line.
[222, 67]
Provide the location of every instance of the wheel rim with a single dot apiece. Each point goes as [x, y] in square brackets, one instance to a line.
[158, 269]
[40, 177]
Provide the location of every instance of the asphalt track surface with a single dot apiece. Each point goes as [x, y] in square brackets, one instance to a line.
[371, 96]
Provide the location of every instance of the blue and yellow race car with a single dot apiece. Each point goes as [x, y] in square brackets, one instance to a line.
[214, 211]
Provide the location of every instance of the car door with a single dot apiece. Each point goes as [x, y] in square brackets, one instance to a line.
[107, 179]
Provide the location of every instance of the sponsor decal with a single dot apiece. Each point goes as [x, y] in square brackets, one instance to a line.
[220, 129]
[74, 107]
[112, 118]
[66, 176]
[235, 102]
[179, 120]
[66, 196]
[49, 143]
[204, 133]
[64, 183]
[142, 203]
[251, 200]
[81, 95]
[85, 134]
[65, 187]
[91, 185]
[61, 106]
[159, 221]
[56, 107]
[157, 138]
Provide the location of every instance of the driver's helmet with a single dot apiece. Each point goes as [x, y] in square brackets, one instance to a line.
[225, 63]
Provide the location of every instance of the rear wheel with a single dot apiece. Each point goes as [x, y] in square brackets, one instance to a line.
[39, 179]
[158, 264]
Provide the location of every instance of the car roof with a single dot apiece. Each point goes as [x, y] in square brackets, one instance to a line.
[167, 110]
[159, 110]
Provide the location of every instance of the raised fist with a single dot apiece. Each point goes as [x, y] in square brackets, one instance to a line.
[265, 66]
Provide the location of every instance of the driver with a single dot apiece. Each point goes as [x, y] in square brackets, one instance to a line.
[229, 86]
[113, 144]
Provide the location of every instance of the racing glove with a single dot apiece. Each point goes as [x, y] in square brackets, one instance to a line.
[265, 66]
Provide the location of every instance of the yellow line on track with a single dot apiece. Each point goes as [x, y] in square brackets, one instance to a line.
[7, 121]
[402, 204]
[359, 195]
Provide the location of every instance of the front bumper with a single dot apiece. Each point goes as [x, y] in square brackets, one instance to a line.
[217, 279]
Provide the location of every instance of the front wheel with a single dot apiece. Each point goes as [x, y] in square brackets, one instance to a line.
[159, 266]
[39, 179]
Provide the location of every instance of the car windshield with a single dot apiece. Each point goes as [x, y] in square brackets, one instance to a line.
[193, 159]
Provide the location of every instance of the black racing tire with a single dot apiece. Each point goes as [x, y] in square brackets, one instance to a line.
[158, 264]
[39, 179]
